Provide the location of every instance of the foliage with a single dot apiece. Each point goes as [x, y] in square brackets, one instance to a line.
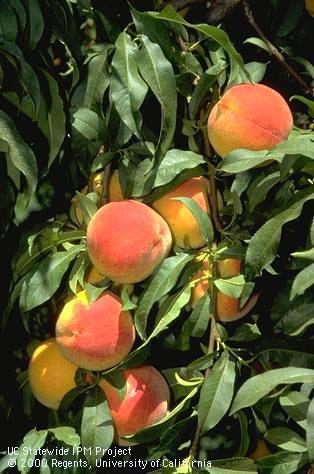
[83, 94]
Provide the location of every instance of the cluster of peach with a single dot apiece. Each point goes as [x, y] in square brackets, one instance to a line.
[126, 241]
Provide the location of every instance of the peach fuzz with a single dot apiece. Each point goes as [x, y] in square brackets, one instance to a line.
[127, 240]
[145, 403]
[251, 116]
[95, 336]
[50, 375]
[183, 225]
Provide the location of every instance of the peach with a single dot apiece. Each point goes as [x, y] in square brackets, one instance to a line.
[261, 451]
[127, 240]
[249, 116]
[95, 336]
[227, 308]
[309, 6]
[145, 403]
[50, 375]
[183, 225]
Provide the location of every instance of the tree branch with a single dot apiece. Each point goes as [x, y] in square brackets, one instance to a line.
[273, 50]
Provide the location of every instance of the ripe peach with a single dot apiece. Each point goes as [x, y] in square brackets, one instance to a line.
[50, 375]
[249, 116]
[95, 336]
[227, 308]
[127, 240]
[184, 227]
[146, 401]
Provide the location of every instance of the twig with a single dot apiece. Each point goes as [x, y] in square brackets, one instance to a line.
[273, 50]
[220, 9]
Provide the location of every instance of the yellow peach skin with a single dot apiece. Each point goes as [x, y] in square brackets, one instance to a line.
[251, 116]
[184, 227]
[95, 336]
[50, 374]
[146, 401]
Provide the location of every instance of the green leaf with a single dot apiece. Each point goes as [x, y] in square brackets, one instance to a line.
[35, 22]
[19, 153]
[257, 42]
[310, 431]
[8, 21]
[159, 285]
[263, 246]
[296, 406]
[173, 163]
[245, 440]
[232, 466]
[282, 463]
[25, 74]
[98, 79]
[88, 133]
[246, 332]
[232, 286]
[298, 319]
[96, 428]
[256, 71]
[304, 100]
[203, 362]
[158, 73]
[202, 218]
[286, 439]
[45, 278]
[303, 281]
[20, 12]
[196, 324]
[216, 393]
[203, 87]
[51, 117]
[212, 32]
[88, 204]
[261, 385]
[306, 254]
[32, 440]
[260, 187]
[170, 438]
[286, 357]
[127, 88]
[172, 312]
[66, 434]
[127, 303]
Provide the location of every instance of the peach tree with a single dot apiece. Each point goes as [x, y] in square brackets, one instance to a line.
[211, 266]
